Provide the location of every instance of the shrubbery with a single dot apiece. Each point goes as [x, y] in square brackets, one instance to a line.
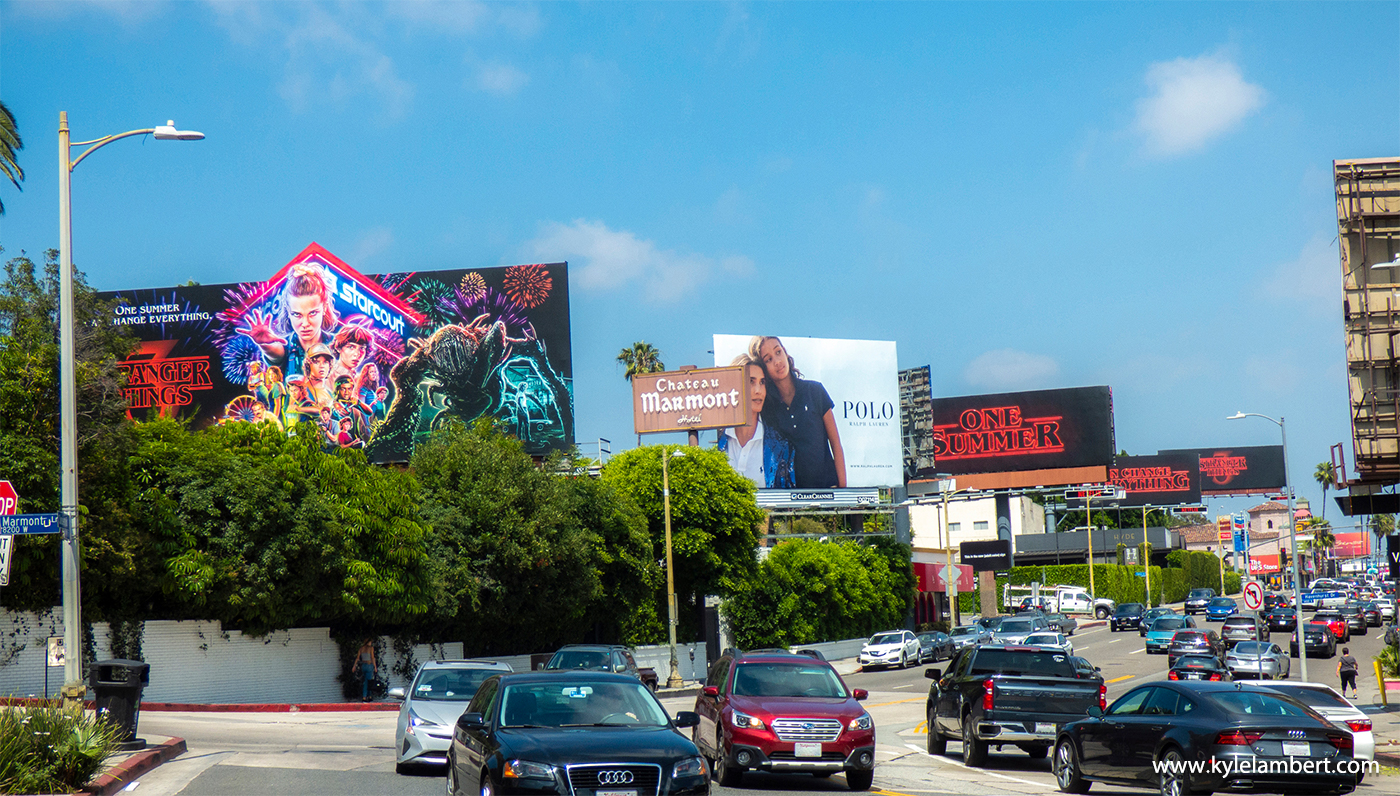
[50, 749]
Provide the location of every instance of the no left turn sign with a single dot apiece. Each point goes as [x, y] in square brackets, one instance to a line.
[1253, 595]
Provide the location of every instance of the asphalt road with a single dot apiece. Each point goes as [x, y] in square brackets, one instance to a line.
[348, 754]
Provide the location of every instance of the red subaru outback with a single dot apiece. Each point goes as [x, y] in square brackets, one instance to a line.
[783, 713]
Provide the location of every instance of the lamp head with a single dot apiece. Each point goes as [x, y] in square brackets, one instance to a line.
[1236, 416]
[1393, 263]
[167, 132]
[677, 454]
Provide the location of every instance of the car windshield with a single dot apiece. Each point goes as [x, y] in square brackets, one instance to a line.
[1236, 621]
[449, 684]
[1254, 648]
[1326, 616]
[1316, 697]
[886, 638]
[1186, 637]
[991, 622]
[1222, 602]
[928, 638]
[964, 631]
[773, 679]
[1043, 639]
[1130, 608]
[1253, 703]
[592, 660]
[1281, 612]
[1201, 594]
[1012, 626]
[1194, 662]
[563, 702]
[1022, 662]
[1168, 623]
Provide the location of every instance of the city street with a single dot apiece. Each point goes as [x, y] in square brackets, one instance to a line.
[351, 753]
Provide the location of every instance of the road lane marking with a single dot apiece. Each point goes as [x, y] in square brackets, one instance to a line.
[896, 702]
[1115, 641]
[906, 685]
[1121, 679]
[943, 759]
[1136, 651]
[920, 729]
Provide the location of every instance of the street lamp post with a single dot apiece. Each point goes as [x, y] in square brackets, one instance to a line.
[73, 687]
[674, 679]
[1292, 542]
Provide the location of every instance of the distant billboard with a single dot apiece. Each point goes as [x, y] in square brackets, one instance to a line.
[1038, 430]
[1352, 545]
[830, 412]
[370, 362]
[1161, 480]
[1254, 470]
[987, 556]
[1263, 563]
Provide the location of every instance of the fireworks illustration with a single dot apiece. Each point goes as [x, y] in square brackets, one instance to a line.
[236, 352]
[493, 304]
[430, 298]
[528, 285]
[473, 286]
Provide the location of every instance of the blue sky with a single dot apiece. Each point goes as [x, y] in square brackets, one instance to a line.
[1021, 195]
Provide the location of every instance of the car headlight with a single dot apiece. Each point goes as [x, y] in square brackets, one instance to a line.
[861, 722]
[414, 720]
[690, 767]
[744, 721]
[524, 769]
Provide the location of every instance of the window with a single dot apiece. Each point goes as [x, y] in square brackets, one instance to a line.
[954, 527]
[1130, 703]
[1271, 524]
[1161, 703]
[980, 525]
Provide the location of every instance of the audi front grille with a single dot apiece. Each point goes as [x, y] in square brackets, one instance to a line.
[807, 729]
[644, 778]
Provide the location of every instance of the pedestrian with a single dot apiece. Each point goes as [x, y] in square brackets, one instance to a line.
[365, 664]
[1346, 669]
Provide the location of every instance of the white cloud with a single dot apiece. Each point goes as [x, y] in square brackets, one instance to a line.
[501, 79]
[606, 259]
[1313, 278]
[371, 243]
[1007, 368]
[1193, 101]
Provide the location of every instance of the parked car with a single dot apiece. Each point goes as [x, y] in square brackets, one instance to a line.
[934, 647]
[1015, 629]
[1150, 615]
[1032, 603]
[434, 701]
[1050, 639]
[1335, 708]
[1198, 667]
[892, 648]
[1077, 600]
[1085, 670]
[783, 714]
[1244, 628]
[1172, 722]
[812, 654]
[1319, 639]
[1282, 619]
[512, 737]
[1159, 636]
[1356, 621]
[1005, 696]
[1261, 660]
[1063, 622]
[969, 635]
[991, 623]
[1195, 642]
[1333, 621]
[1197, 600]
[1127, 615]
[603, 658]
[1221, 607]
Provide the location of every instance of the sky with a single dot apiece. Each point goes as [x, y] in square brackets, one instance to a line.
[1022, 196]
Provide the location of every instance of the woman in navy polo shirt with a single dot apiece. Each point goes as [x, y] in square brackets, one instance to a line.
[801, 411]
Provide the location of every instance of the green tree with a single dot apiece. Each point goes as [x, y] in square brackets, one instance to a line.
[10, 145]
[641, 357]
[1325, 474]
[713, 520]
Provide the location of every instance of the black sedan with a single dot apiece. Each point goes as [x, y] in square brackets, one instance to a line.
[1195, 642]
[1128, 615]
[1372, 612]
[1199, 667]
[1148, 735]
[1282, 619]
[934, 646]
[1320, 642]
[572, 732]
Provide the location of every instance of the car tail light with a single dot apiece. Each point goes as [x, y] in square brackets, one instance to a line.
[1342, 742]
[1172, 676]
[1237, 738]
[1215, 677]
[987, 687]
[1359, 725]
[1103, 697]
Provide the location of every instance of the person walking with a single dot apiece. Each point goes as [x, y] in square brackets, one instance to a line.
[1347, 668]
[366, 665]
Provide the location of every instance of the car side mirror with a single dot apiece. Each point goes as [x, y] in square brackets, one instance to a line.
[1095, 711]
[860, 694]
[396, 693]
[933, 674]
[471, 721]
[1098, 669]
[686, 718]
[621, 667]
[710, 691]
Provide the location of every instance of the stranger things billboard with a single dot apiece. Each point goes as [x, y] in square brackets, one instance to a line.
[370, 362]
[1038, 430]
[1167, 479]
[1237, 471]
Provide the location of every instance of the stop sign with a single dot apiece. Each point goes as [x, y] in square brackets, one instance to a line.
[9, 499]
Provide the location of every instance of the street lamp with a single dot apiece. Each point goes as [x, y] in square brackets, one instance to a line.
[1292, 541]
[674, 679]
[73, 688]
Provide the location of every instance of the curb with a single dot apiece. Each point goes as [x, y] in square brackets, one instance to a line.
[124, 773]
[1388, 758]
[1095, 623]
[669, 693]
[271, 707]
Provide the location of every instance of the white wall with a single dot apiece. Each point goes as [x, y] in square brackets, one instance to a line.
[926, 520]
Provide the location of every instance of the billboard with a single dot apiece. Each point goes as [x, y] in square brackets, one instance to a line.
[830, 412]
[1161, 480]
[369, 362]
[1237, 471]
[1038, 430]
[690, 400]
[1263, 563]
[1351, 545]
[987, 556]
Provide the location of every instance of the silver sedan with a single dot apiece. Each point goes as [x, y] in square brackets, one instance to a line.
[431, 706]
[1258, 659]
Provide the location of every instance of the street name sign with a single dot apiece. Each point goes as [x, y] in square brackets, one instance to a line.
[18, 524]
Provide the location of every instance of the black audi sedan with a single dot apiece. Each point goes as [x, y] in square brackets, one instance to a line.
[1282, 619]
[1128, 615]
[1320, 641]
[572, 733]
[1241, 741]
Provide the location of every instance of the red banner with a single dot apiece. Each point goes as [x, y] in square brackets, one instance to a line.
[1263, 564]
[1352, 545]
[930, 577]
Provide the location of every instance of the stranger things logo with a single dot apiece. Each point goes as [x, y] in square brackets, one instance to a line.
[1238, 471]
[155, 381]
[1043, 429]
[1159, 480]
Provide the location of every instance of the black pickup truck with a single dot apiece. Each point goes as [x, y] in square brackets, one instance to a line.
[999, 695]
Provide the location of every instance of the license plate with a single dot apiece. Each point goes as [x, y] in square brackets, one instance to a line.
[1042, 727]
[1296, 748]
[615, 793]
[804, 750]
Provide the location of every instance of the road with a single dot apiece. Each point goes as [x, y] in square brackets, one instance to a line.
[350, 754]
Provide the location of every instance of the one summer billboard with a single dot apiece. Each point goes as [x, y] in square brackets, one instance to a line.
[1038, 430]
[830, 412]
[371, 362]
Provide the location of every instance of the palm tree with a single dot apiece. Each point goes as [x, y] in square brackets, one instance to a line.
[1326, 475]
[641, 357]
[10, 144]
[1322, 540]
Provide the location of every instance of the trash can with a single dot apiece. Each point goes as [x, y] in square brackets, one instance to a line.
[117, 685]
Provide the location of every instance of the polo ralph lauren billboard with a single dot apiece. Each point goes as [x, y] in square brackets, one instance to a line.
[1252, 470]
[1037, 430]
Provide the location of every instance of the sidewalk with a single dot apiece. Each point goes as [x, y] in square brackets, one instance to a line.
[1385, 720]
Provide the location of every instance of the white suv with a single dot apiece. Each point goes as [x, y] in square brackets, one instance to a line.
[891, 648]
